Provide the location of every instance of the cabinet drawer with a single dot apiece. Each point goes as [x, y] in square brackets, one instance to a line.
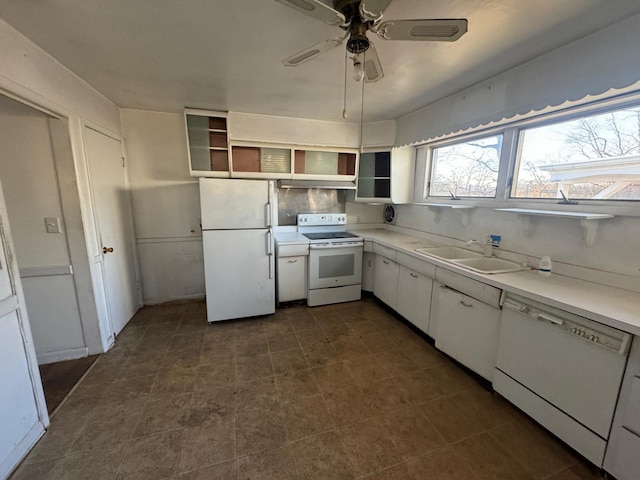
[478, 290]
[368, 246]
[383, 251]
[292, 250]
[420, 266]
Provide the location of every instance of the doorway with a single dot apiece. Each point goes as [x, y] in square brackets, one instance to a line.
[29, 174]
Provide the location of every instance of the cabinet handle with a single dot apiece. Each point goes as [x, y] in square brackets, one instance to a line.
[369, 263]
[385, 262]
[468, 305]
[292, 261]
[413, 275]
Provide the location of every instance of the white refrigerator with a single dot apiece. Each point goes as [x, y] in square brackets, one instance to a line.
[237, 239]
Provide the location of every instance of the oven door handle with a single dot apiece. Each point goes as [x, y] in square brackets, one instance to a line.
[331, 247]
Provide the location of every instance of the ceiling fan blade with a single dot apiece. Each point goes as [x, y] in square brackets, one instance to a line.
[372, 10]
[372, 67]
[318, 10]
[433, 30]
[311, 52]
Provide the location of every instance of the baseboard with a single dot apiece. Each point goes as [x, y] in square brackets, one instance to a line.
[62, 355]
[11, 462]
[186, 299]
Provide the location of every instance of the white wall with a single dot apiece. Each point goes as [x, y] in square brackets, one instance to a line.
[614, 259]
[32, 76]
[166, 206]
[28, 175]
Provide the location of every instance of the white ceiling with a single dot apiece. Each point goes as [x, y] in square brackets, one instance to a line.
[226, 54]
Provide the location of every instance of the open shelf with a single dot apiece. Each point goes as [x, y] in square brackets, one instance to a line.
[437, 209]
[588, 221]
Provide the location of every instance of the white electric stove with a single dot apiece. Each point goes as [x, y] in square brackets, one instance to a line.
[335, 259]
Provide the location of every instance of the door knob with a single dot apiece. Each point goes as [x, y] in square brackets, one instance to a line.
[107, 250]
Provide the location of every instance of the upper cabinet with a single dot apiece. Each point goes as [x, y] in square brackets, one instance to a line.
[386, 175]
[208, 143]
[325, 164]
[213, 154]
[250, 161]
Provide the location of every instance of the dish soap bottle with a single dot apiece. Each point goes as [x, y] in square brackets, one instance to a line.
[544, 268]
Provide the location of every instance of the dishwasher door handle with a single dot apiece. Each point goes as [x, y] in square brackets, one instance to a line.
[549, 318]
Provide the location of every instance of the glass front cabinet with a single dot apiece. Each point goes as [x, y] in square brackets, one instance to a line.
[213, 154]
[386, 176]
[208, 143]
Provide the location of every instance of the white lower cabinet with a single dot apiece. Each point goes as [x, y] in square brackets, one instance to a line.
[622, 458]
[292, 278]
[414, 297]
[467, 330]
[385, 285]
[368, 271]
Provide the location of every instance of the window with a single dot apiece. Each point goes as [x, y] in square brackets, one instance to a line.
[466, 169]
[592, 157]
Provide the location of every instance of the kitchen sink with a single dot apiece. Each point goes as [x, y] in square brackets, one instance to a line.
[489, 265]
[448, 253]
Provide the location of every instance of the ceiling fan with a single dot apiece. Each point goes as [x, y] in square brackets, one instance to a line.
[356, 17]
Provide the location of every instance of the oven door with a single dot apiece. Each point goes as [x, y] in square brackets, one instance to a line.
[335, 265]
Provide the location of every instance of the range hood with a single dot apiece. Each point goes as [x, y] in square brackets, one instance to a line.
[324, 184]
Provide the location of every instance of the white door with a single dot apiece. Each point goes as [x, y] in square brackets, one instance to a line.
[23, 414]
[114, 219]
[233, 204]
[239, 275]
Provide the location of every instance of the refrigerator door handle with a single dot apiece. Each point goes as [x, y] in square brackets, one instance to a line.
[268, 215]
[270, 253]
[269, 243]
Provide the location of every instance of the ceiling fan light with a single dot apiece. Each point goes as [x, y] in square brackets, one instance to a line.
[358, 68]
[444, 31]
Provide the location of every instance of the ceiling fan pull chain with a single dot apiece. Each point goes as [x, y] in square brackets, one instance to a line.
[344, 100]
[362, 112]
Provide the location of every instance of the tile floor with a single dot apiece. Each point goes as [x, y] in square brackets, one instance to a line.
[335, 392]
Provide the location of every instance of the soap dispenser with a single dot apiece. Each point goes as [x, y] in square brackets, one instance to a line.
[544, 267]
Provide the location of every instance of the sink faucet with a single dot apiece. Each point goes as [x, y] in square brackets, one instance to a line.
[487, 250]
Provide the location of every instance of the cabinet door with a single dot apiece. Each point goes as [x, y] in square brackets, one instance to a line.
[622, 459]
[414, 297]
[368, 271]
[292, 278]
[467, 330]
[374, 176]
[325, 165]
[208, 143]
[385, 285]
[260, 162]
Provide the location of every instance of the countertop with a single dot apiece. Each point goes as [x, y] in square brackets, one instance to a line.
[290, 238]
[611, 306]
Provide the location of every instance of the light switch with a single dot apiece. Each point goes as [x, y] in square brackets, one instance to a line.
[52, 224]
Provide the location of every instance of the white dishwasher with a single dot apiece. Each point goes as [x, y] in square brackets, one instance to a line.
[563, 370]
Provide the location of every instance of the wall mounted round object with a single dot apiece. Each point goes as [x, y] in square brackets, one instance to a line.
[389, 214]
